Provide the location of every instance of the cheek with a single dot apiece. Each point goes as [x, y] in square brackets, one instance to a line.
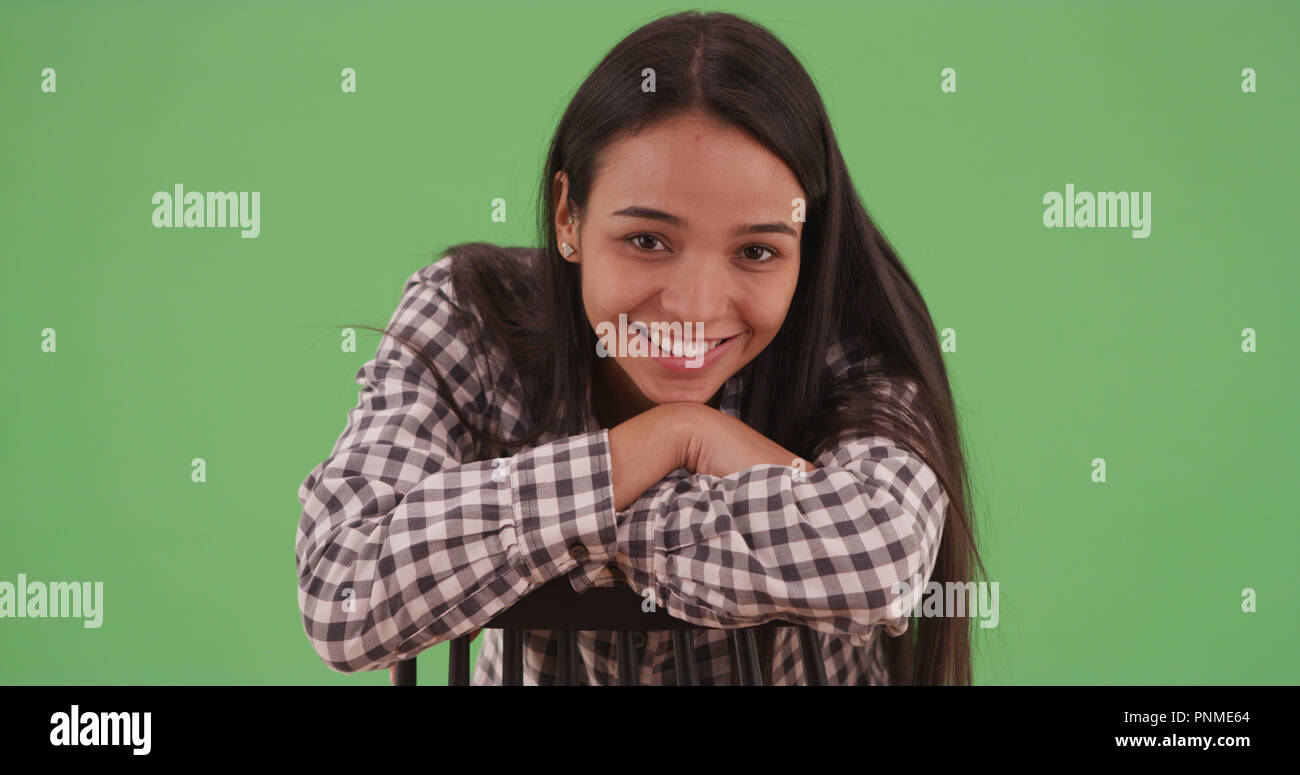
[603, 303]
[598, 295]
[606, 294]
[766, 326]
[783, 297]
[767, 317]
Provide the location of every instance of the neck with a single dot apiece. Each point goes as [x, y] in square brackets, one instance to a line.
[616, 398]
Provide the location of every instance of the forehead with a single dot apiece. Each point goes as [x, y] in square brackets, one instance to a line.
[693, 163]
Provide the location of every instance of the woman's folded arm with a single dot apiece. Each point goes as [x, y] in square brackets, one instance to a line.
[824, 548]
[405, 540]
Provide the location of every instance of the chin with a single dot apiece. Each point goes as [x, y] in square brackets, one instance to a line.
[689, 395]
[701, 399]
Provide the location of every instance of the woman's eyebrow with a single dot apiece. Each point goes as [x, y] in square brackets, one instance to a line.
[775, 227]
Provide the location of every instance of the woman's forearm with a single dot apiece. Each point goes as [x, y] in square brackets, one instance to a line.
[645, 449]
[721, 445]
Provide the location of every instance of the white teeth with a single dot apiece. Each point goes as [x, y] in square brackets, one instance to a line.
[678, 349]
[709, 345]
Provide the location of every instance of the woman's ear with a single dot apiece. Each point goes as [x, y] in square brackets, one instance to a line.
[566, 229]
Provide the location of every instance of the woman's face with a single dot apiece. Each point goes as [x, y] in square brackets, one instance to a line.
[692, 222]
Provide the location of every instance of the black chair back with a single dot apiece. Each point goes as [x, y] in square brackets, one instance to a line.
[555, 606]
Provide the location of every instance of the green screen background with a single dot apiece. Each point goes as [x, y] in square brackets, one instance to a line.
[1071, 343]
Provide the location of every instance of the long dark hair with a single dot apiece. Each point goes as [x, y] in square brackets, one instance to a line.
[851, 288]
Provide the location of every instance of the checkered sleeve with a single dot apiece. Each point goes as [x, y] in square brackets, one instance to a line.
[842, 549]
[405, 538]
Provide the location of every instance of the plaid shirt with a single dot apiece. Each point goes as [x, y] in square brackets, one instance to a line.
[408, 538]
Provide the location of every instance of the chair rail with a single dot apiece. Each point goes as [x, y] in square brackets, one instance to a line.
[556, 606]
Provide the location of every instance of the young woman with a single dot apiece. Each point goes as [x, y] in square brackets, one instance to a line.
[796, 471]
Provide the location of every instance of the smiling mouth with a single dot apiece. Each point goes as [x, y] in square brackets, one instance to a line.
[678, 348]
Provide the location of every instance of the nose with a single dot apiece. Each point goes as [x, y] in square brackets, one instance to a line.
[698, 290]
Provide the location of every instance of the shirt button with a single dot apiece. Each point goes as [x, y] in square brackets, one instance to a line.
[638, 639]
[578, 552]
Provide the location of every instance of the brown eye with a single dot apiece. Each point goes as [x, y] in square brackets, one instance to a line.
[637, 240]
[759, 259]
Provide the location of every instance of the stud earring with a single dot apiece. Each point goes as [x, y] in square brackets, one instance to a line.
[564, 246]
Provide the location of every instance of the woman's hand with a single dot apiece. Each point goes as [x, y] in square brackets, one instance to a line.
[718, 444]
